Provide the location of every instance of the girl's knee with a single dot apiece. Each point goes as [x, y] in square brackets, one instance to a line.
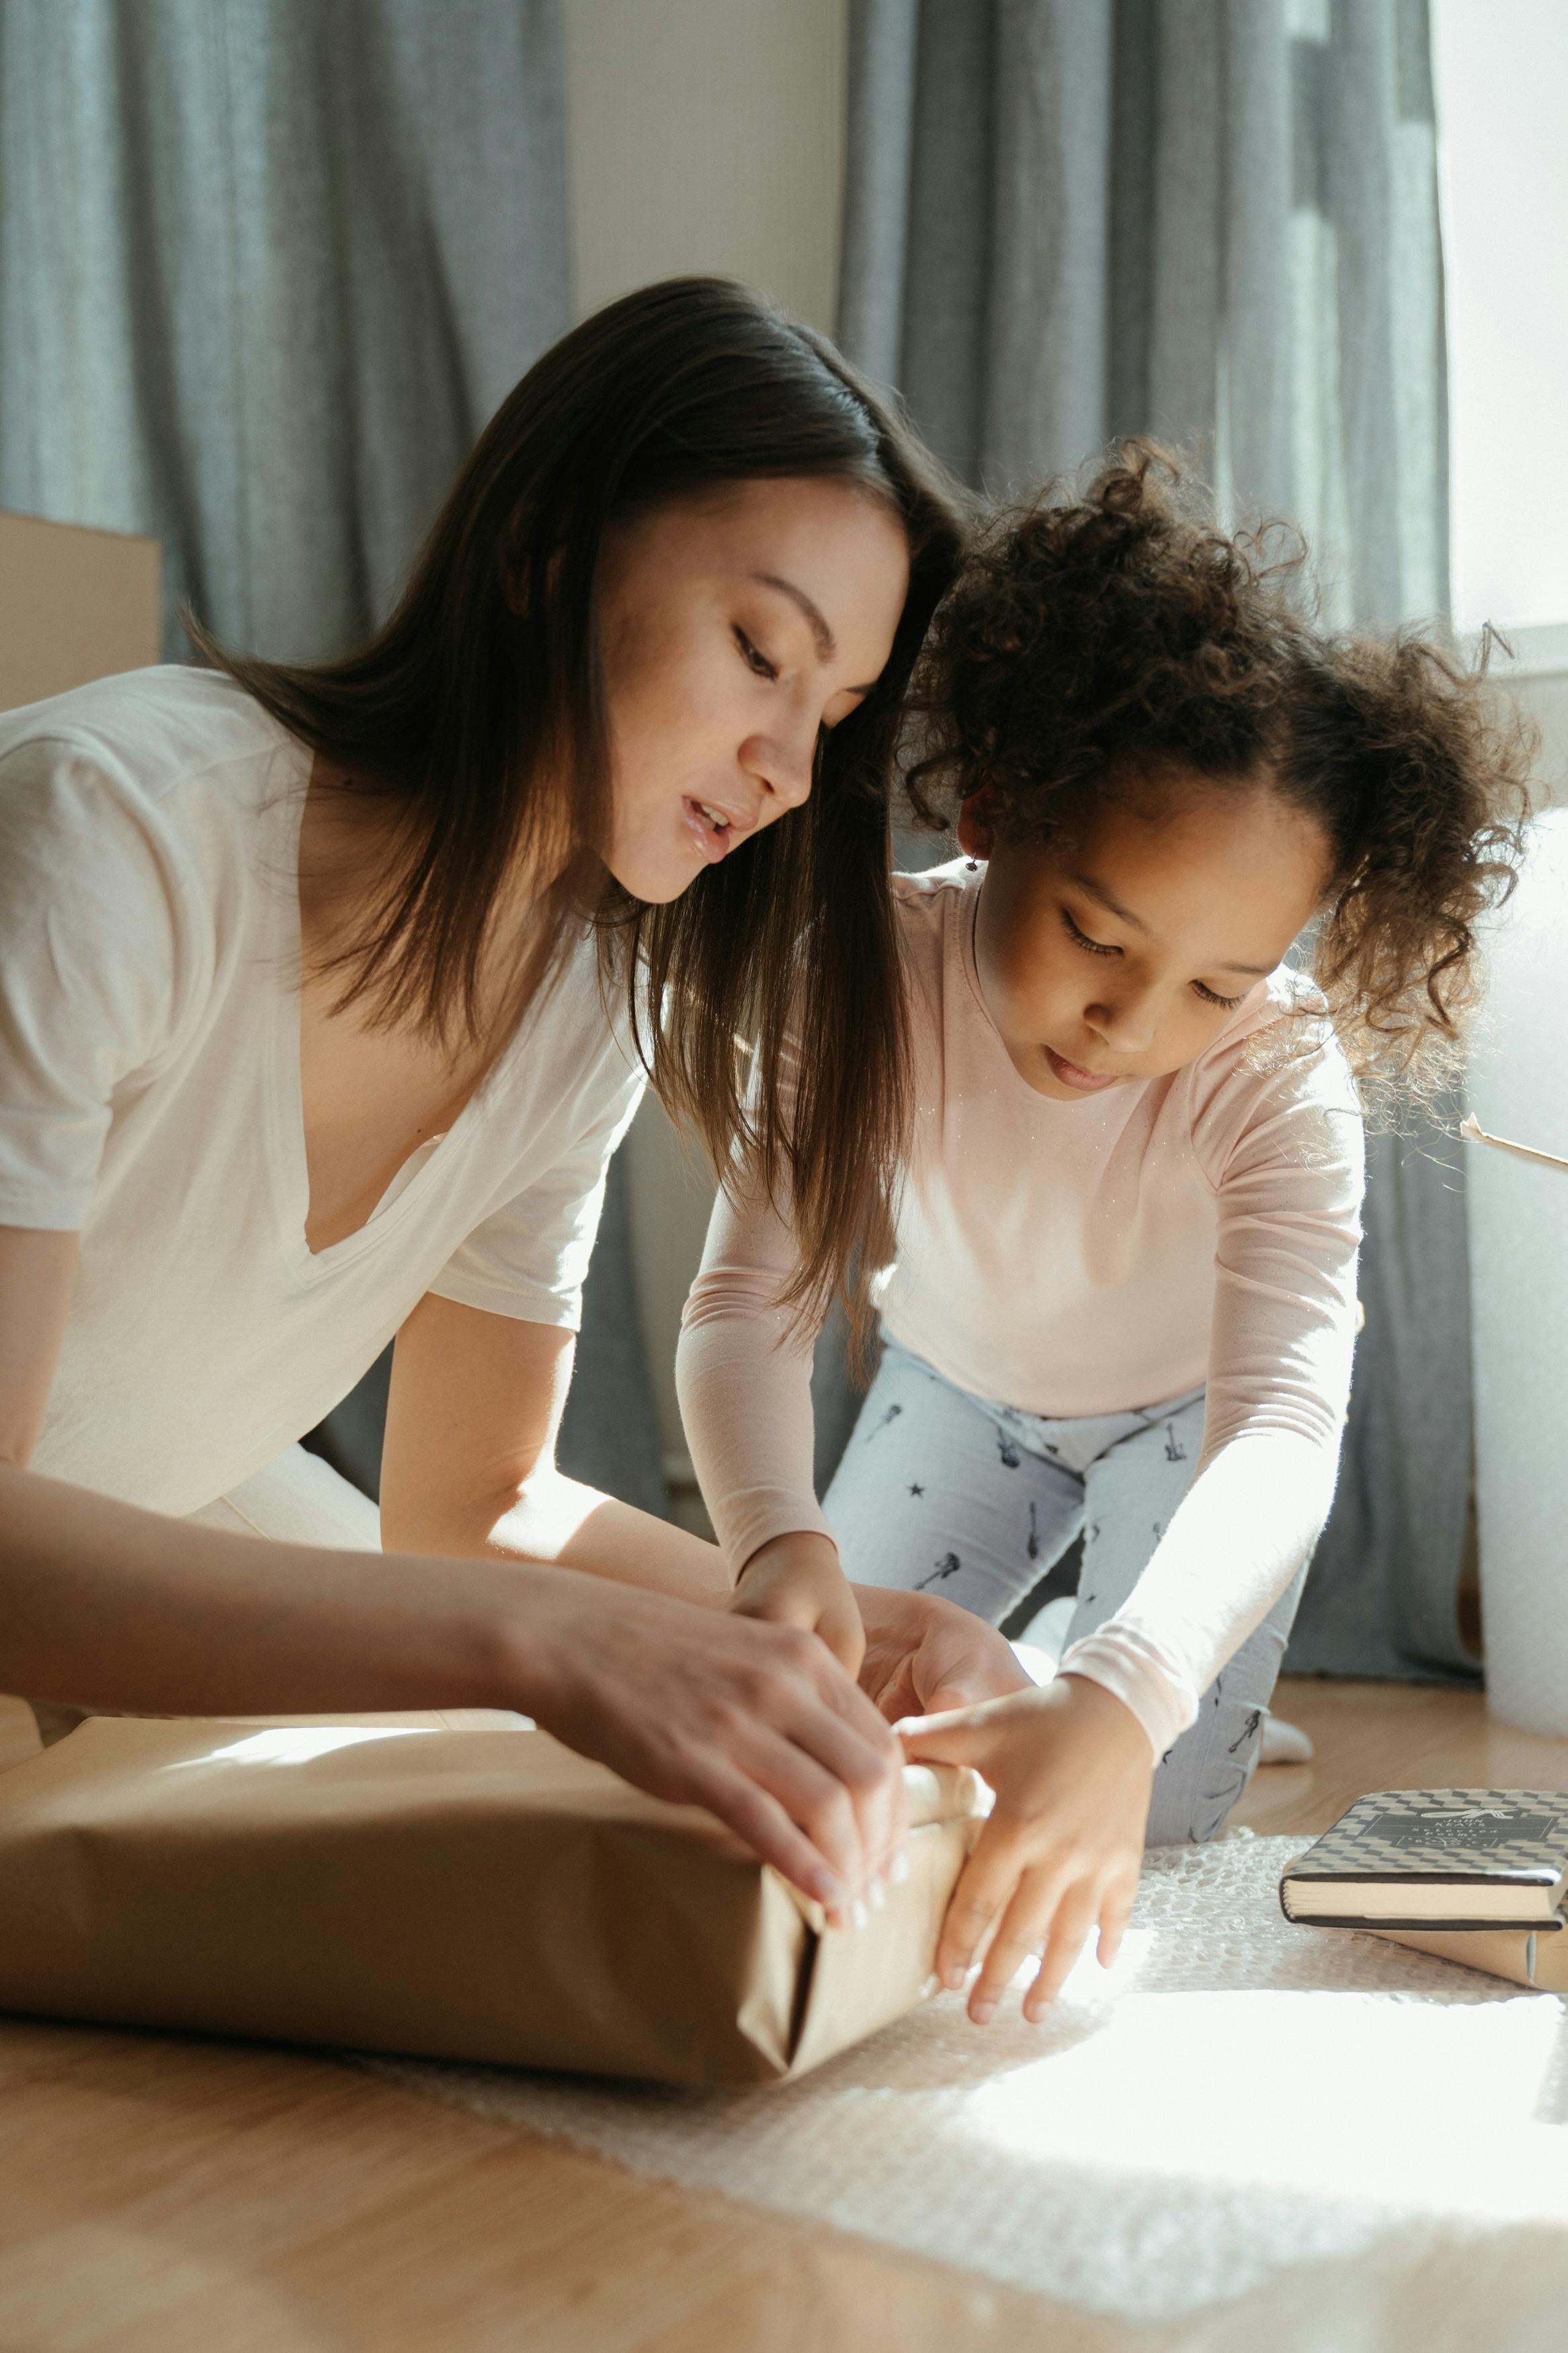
[1199, 1782]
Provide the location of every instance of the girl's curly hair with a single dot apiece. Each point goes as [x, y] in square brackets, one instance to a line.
[1109, 640]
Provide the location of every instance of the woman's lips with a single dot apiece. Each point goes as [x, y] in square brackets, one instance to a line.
[1088, 1083]
[712, 840]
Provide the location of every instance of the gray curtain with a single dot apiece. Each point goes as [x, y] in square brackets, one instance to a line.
[266, 266]
[1214, 220]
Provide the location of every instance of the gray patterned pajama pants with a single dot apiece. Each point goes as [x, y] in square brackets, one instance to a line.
[945, 1492]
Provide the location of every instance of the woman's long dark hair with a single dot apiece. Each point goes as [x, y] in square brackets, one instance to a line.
[478, 714]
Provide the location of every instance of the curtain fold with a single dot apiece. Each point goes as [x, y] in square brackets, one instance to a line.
[1216, 221]
[265, 268]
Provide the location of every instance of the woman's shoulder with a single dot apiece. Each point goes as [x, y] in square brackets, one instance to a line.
[172, 769]
[149, 730]
[138, 805]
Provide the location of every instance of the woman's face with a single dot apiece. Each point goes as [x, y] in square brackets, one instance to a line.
[734, 628]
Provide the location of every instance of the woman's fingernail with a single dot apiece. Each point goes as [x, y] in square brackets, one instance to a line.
[878, 1894]
[828, 1890]
[983, 2012]
[898, 1869]
[859, 1916]
[952, 1977]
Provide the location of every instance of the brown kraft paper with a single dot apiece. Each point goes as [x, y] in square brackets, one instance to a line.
[400, 1884]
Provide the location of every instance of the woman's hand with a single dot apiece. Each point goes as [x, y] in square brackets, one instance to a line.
[924, 1655]
[797, 1580]
[757, 1723]
[1063, 1848]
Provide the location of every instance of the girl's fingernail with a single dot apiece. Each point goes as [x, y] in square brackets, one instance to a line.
[898, 1869]
[983, 2012]
[878, 1894]
[828, 1890]
[859, 1916]
[952, 1977]
[932, 1985]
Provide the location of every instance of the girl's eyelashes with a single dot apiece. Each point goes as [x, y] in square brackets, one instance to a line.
[755, 660]
[1082, 939]
[1102, 947]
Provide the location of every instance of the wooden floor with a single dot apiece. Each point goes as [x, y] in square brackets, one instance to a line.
[160, 2196]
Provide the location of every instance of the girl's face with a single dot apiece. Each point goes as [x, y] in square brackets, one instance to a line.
[734, 628]
[1124, 955]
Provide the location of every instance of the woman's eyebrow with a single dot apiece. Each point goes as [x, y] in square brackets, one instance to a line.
[826, 642]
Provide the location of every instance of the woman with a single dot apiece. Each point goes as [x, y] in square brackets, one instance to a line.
[324, 998]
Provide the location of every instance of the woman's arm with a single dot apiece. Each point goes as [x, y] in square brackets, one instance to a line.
[469, 1466]
[102, 1604]
[105, 1606]
[475, 1407]
[36, 1272]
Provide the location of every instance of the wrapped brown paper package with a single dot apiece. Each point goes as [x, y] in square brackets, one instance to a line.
[464, 1894]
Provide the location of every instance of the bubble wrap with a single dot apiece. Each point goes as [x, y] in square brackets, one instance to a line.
[1236, 2097]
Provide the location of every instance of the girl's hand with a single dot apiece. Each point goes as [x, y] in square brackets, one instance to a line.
[797, 1580]
[924, 1655]
[1063, 1849]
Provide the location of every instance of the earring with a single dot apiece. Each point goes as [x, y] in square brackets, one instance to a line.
[974, 865]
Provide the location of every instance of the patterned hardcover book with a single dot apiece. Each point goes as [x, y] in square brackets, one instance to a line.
[1436, 1859]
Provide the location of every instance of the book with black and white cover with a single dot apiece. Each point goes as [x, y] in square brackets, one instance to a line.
[1436, 1859]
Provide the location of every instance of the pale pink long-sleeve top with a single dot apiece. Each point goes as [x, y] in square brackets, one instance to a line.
[1084, 1257]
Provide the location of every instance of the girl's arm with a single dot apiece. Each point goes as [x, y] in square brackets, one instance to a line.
[1071, 1768]
[742, 1372]
[1288, 1157]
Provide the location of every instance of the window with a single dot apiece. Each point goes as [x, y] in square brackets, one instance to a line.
[1503, 101]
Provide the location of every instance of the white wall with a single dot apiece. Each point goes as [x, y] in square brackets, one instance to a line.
[1544, 700]
[707, 135]
[704, 135]
[1503, 171]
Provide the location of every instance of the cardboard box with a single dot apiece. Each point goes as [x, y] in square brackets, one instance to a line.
[467, 1894]
[75, 605]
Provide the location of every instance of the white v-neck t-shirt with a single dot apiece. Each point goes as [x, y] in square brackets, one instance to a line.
[150, 1100]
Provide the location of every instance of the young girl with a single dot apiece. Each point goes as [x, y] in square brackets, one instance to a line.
[1123, 1301]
